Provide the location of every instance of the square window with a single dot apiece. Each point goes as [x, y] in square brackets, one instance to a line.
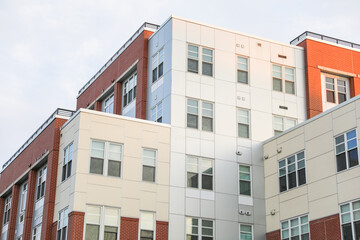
[292, 171]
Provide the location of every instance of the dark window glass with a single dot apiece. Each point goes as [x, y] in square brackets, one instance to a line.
[245, 188]
[192, 121]
[110, 233]
[193, 66]
[63, 233]
[63, 173]
[347, 232]
[242, 77]
[146, 235]
[353, 157]
[161, 69]
[207, 124]
[243, 130]
[69, 169]
[125, 99]
[357, 229]
[301, 176]
[207, 69]
[192, 180]
[114, 168]
[341, 162]
[58, 237]
[282, 181]
[148, 173]
[154, 74]
[96, 165]
[342, 97]
[206, 182]
[330, 96]
[207, 238]
[305, 236]
[92, 232]
[292, 180]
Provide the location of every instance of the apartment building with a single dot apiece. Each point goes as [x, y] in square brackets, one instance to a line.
[166, 141]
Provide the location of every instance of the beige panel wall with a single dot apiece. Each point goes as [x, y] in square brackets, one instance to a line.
[129, 192]
[326, 189]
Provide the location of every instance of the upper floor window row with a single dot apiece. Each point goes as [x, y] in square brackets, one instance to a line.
[198, 54]
[346, 150]
[158, 65]
[129, 89]
[292, 171]
[283, 79]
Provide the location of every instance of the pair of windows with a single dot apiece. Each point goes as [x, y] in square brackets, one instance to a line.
[206, 115]
[7, 208]
[346, 150]
[102, 223]
[295, 228]
[199, 166]
[158, 65]
[292, 171]
[281, 124]
[41, 180]
[129, 89]
[243, 120]
[335, 89]
[106, 155]
[62, 224]
[157, 112]
[197, 228]
[206, 59]
[147, 225]
[108, 104]
[283, 79]
[350, 220]
[68, 154]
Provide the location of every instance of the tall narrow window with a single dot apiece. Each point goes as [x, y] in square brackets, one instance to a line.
[193, 58]
[62, 224]
[207, 116]
[207, 62]
[36, 233]
[158, 65]
[246, 232]
[243, 123]
[199, 166]
[41, 183]
[93, 214]
[330, 90]
[244, 180]
[292, 171]
[192, 113]
[66, 170]
[149, 165]
[156, 113]
[146, 226]
[7, 208]
[192, 172]
[111, 223]
[289, 80]
[114, 160]
[346, 150]
[129, 89]
[295, 228]
[97, 157]
[108, 104]
[277, 78]
[350, 220]
[197, 228]
[242, 70]
[23, 198]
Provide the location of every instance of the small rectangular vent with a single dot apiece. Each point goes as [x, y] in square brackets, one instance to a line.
[282, 56]
[283, 107]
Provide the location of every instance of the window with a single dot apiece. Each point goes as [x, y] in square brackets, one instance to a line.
[197, 228]
[108, 104]
[149, 165]
[246, 232]
[106, 155]
[146, 226]
[102, 223]
[242, 70]
[350, 220]
[346, 150]
[207, 115]
[41, 183]
[129, 89]
[244, 180]
[281, 124]
[243, 118]
[66, 170]
[295, 228]
[292, 171]
[158, 65]
[62, 225]
[36, 232]
[156, 113]
[23, 196]
[7, 208]
[207, 60]
[202, 166]
[283, 78]
[335, 89]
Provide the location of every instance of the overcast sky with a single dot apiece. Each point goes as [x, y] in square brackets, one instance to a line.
[50, 49]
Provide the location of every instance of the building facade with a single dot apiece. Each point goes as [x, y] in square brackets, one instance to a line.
[167, 138]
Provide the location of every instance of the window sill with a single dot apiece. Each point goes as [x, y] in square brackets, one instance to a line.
[348, 169]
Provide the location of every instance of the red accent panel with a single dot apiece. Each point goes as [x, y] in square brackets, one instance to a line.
[275, 235]
[13, 212]
[29, 210]
[129, 228]
[54, 230]
[117, 98]
[76, 225]
[2, 205]
[162, 230]
[327, 228]
[97, 106]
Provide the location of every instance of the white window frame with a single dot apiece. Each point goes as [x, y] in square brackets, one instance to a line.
[7, 209]
[108, 103]
[299, 226]
[199, 227]
[127, 89]
[67, 162]
[157, 63]
[351, 212]
[244, 123]
[62, 223]
[347, 149]
[200, 172]
[141, 227]
[106, 157]
[23, 200]
[241, 67]
[335, 89]
[145, 163]
[201, 58]
[285, 124]
[41, 182]
[36, 232]
[102, 220]
[203, 114]
[247, 225]
[284, 78]
[282, 168]
[157, 112]
[245, 180]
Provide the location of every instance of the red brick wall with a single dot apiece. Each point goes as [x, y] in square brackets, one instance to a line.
[162, 230]
[2, 205]
[13, 212]
[327, 228]
[54, 230]
[129, 228]
[29, 209]
[76, 225]
[325, 55]
[137, 50]
[275, 235]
